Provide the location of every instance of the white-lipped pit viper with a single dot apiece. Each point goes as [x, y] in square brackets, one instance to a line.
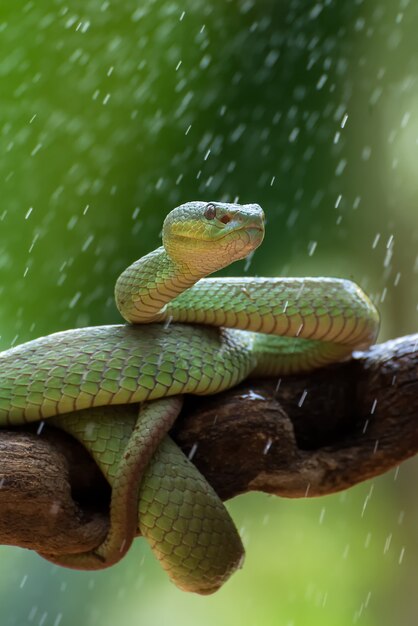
[118, 389]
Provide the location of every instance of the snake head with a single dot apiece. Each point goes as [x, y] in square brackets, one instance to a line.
[207, 236]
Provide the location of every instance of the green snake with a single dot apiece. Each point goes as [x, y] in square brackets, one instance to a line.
[118, 389]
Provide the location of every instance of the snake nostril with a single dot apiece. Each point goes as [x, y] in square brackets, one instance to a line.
[225, 219]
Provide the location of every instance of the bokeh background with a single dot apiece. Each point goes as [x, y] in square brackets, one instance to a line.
[111, 114]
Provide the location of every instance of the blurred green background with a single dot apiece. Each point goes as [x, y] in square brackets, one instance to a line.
[113, 113]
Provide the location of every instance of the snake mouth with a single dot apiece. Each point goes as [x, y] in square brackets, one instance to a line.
[252, 231]
[255, 233]
[250, 227]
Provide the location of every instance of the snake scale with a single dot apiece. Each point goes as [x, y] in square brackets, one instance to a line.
[118, 389]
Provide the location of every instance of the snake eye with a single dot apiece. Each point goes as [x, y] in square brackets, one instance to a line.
[210, 212]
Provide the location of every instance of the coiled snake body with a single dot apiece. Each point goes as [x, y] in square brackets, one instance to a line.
[201, 336]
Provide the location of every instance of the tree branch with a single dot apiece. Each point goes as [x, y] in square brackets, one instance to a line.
[306, 435]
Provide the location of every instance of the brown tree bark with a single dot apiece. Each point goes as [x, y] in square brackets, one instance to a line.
[306, 435]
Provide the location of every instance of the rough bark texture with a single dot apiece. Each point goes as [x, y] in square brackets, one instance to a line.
[306, 435]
